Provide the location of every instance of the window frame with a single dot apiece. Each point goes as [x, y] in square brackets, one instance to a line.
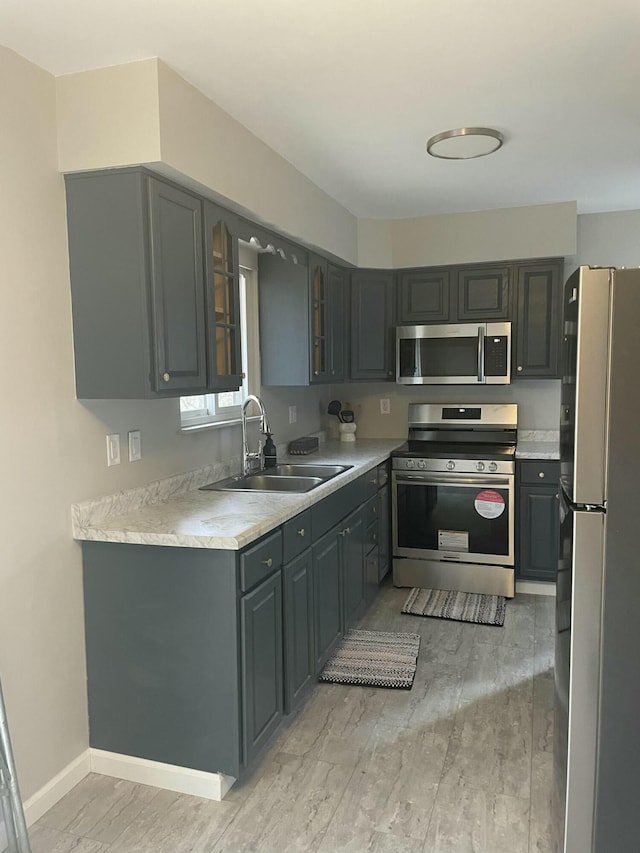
[212, 414]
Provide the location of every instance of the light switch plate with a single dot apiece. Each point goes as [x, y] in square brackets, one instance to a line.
[385, 406]
[135, 445]
[113, 449]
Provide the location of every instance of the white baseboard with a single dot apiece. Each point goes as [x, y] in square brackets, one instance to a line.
[535, 588]
[56, 788]
[183, 780]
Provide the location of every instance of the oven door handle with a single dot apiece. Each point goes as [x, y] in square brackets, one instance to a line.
[453, 480]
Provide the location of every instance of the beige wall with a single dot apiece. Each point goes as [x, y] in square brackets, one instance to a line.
[144, 112]
[538, 231]
[54, 445]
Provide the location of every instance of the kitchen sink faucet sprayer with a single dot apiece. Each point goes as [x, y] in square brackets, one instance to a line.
[249, 459]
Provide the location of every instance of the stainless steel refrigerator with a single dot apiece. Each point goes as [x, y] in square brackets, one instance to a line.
[597, 666]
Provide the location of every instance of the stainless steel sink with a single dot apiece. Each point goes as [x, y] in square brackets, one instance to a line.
[326, 472]
[265, 483]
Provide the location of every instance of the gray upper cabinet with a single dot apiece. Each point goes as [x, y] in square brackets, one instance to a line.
[484, 293]
[154, 286]
[372, 324]
[175, 232]
[424, 296]
[302, 339]
[137, 285]
[539, 310]
[222, 299]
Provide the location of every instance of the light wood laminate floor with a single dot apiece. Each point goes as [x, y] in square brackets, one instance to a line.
[462, 763]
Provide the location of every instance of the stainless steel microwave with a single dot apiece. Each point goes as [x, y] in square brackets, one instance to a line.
[454, 354]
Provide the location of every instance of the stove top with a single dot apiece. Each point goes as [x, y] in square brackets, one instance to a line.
[448, 450]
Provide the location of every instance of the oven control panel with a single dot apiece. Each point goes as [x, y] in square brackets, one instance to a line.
[459, 466]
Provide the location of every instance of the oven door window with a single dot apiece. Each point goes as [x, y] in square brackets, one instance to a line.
[439, 357]
[454, 520]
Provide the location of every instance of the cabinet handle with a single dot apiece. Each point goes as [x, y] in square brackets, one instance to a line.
[301, 531]
[541, 475]
[519, 368]
[268, 563]
[166, 376]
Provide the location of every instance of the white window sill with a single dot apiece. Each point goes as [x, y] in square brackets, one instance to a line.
[185, 429]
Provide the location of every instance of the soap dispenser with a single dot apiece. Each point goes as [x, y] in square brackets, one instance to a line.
[269, 452]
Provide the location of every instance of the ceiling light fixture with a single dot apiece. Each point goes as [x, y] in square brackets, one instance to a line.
[464, 143]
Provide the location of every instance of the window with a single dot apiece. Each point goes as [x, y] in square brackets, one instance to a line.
[204, 409]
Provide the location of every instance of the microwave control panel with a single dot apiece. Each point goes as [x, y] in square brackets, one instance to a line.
[495, 355]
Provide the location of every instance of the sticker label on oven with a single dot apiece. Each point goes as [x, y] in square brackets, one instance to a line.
[453, 540]
[489, 503]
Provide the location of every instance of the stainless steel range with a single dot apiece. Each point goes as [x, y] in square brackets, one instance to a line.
[453, 499]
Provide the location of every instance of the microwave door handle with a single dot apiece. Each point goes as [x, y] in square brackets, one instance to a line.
[480, 353]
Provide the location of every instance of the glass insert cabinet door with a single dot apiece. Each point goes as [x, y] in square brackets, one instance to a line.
[224, 352]
[319, 320]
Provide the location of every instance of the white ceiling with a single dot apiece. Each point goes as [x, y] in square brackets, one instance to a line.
[348, 91]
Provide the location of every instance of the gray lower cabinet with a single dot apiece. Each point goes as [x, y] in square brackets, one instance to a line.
[262, 670]
[538, 530]
[298, 620]
[384, 531]
[194, 655]
[353, 567]
[327, 596]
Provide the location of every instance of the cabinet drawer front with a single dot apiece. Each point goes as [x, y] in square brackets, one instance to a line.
[371, 482]
[260, 561]
[371, 511]
[296, 535]
[542, 472]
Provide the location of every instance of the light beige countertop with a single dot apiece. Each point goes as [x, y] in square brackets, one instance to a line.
[174, 512]
[538, 444]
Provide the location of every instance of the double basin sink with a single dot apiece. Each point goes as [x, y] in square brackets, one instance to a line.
[282, 478]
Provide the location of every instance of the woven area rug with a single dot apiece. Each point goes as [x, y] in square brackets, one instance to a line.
[374, 659]
[460, 606]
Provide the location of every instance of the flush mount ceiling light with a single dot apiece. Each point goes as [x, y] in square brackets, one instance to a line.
[464, 143]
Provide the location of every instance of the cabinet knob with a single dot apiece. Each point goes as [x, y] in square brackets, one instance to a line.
[268, 563]
[374, 536]
[316, 372]
[519, 368]
[301, 531]
[541, 475]
[374, 509]
[166, 376]
[345, 531]
[390, 373]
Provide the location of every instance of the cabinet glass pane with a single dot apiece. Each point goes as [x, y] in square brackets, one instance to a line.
[319, 356]
[225, 350]
[220, 297]
[318, 285]
[222, 248]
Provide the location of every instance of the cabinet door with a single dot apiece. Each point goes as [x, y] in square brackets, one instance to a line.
[298, 627]
[537, 335]
[320, 320]
[538, 532]
[384, 531]
[222, 298]
[424, 296]
[177, 288]
[353, 567]
[337, 286]
[372, 325]
[262, 677]
[484, 294]
[327, 596]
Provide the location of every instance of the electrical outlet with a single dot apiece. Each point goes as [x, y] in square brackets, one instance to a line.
[135, 446]
[293, 414]
[385, 406]
[113, 449]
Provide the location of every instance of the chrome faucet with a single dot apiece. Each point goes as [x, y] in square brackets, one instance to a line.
[249, 459]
